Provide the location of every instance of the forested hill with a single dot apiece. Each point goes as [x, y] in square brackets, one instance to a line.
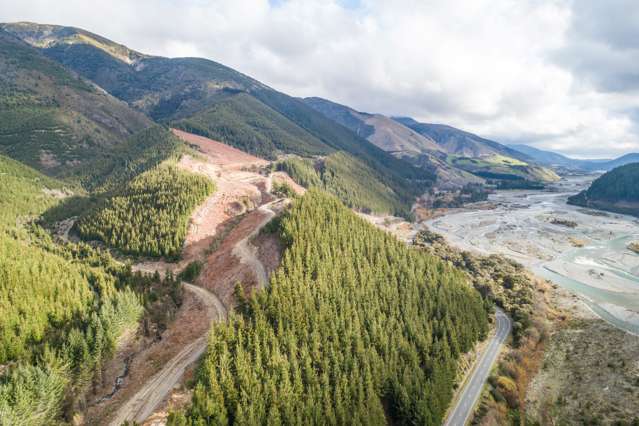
[62, 307]
[212, 100]
[616, 190]
[150, 215]
[355, 328]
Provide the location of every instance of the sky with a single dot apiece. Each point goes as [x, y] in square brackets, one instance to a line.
[556, 74]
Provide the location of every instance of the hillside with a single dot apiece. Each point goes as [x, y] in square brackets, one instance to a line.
[394, 137]
[51, 119]
[150, 215]
[616, 191]
[208, 98]
[244, 122]
[354, 328]
[62, 307]
[378, 129]
[553, 159]
[458, 142]
[488, 159]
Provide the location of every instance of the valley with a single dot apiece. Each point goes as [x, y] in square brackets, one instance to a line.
[589, 369]
[590, 259]
[219, 238]
[181, 244]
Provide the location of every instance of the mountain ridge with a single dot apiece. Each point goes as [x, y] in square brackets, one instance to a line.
[551, 158]
[182, 92]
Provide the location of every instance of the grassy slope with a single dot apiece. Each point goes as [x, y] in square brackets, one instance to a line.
[501, 167]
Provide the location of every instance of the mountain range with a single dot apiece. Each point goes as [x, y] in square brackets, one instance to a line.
[212, 100]
[144, 198]
[553, 159]
[458, 157]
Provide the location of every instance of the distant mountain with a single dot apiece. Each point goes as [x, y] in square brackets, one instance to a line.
[554, 159]
[382, 131]
[397, 139]
[459, 142]
[483, 157]
[213, 100]
[547, 158]
[617, 162]
[616, 190]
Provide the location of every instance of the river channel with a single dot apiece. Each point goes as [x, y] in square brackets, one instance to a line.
[585, 251]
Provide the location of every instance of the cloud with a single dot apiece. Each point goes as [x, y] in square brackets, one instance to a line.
[558, 74]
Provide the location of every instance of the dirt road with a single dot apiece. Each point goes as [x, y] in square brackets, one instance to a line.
[147, 399]
[247, 252]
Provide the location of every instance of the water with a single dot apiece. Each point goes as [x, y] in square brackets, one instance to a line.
[603, 273]
[620, 308]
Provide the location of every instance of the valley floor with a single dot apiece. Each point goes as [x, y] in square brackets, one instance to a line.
[589, 371]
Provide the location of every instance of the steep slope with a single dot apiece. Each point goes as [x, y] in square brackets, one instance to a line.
[616, 190]
[240, 120]
[491, 160]
[51, 119]
[394, 137]
[198, 95]
[382, 131]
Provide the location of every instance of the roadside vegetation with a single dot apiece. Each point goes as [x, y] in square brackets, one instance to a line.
[355, 327]
[508, 285]
[150, 215]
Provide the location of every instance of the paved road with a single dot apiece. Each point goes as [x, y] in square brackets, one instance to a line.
[460, 414]
[146, 400]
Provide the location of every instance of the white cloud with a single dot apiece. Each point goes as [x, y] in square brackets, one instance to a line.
[516, 70]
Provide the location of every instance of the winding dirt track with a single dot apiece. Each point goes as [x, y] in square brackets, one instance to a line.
[151, 395]
[247, 253]
[147, 399]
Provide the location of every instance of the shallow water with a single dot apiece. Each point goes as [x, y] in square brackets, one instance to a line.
[604, 273]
